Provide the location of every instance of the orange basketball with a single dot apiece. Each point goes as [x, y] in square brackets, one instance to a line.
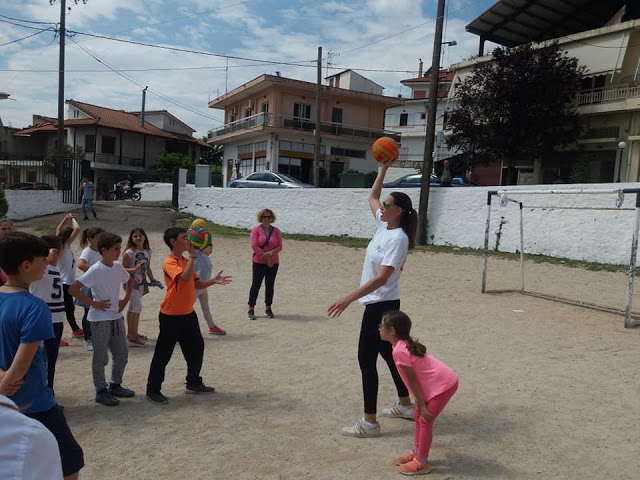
[385, 149]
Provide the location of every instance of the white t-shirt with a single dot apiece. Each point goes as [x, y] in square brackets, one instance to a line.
[135, 257]
[67, 265]
[49, 289]
[90, 256]
[389, 248]
[104, 283]
[29, 450]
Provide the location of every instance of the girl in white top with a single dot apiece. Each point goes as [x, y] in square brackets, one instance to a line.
[383, 263]
[89, 256]
[67, 267]
[137, 261]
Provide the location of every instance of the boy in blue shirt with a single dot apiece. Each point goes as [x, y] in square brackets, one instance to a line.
[25, 321]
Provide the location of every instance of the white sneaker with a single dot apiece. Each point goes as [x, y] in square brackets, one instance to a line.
[362, 429]
[398, 411]
[88, 344]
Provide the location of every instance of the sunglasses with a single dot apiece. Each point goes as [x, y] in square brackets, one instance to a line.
[387, 205]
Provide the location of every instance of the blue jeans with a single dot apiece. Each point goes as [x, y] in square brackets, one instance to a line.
[88, 203]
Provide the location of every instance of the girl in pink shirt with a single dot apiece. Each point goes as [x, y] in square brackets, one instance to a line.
[430, 381]
[266, 243]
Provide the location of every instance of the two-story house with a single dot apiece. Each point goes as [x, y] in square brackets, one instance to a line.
[270, 124]
[410, 119]
[603, 36]
[115, 142]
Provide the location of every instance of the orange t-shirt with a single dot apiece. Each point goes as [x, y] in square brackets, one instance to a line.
[180, 295]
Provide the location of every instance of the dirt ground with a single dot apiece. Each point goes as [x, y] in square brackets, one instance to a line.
[546, 390]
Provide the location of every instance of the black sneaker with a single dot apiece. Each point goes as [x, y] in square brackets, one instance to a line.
[118, 390]
[105, 398]
[251, 315]
[202, 388]
[157, 398]
[269, 313]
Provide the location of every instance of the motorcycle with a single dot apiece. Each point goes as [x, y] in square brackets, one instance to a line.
[123, 191]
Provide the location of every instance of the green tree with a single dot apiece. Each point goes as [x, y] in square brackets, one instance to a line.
[212, 156]
[166, 162]
[521, 105]
[51, 162]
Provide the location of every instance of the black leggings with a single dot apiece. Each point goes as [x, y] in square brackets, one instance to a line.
[51, 348]
[69, 308]
[369, 346]
[263, 271]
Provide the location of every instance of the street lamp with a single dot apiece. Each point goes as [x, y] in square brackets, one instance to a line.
[621, 147]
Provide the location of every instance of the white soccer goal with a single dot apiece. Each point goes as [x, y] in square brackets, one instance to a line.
[507, 197]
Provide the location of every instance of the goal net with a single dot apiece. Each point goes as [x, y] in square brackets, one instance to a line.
[543, 232]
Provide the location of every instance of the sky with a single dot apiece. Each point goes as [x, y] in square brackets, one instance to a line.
[230, 42]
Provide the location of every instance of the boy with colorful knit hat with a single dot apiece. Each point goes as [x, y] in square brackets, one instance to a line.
[178, 320]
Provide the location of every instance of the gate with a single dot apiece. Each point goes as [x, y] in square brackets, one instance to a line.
[72, 173]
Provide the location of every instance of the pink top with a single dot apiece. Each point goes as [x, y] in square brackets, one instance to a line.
[258, 238]
[434, 377]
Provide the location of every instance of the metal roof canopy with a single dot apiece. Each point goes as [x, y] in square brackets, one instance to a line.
[516, 22]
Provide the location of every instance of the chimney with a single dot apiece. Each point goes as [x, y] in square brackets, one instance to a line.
[420, 68]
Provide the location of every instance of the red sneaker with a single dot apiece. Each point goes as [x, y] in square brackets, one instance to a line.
[77, 333]
[406, 458]
[414, 467]
[63, 343]
[217, 331]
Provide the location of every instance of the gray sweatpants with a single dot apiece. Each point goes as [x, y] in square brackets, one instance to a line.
[108, 335]
[203, 296]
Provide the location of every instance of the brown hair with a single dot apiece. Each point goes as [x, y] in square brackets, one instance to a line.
[130, 243]
[409, 222]
[108, 240]
[401, 323]
[88, 233]
[266, 210]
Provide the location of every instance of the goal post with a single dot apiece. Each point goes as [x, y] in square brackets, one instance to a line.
[506, 197]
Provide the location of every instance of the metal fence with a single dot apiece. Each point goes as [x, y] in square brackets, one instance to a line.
[27, 173]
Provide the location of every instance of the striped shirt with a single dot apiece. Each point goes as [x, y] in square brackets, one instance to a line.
[49, 289]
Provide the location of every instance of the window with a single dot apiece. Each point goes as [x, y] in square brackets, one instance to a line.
[108, 145]
[264, 108]
[261, 164]
[404, 119]
[347, 152]
[260, 146]
[637, 75]
[248, 148]
[90, 143]
[248, 112]
[302, 110]
[336, 115]
[423, 116]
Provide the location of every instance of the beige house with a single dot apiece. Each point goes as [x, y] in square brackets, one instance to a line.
[603, 36]
[270, 123]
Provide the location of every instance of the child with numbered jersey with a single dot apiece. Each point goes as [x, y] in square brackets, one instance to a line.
[67, 268]
[49, 289]
[430, 381]
[200, 238]
[107, 323]
[178, 320]
[137, 261]
[89, 256]
[25, 321]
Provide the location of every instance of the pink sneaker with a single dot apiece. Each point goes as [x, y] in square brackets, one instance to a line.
[64, 343]
[77, 334]
[217, 331]
[414, 467]
[406, 458]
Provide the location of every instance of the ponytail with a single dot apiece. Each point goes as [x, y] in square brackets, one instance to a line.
[409, 222]
[401, 323]
[89, 232]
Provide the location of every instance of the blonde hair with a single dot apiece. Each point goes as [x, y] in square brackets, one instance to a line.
[266, 210]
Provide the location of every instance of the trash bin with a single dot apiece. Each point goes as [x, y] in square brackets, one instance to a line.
[353, 180]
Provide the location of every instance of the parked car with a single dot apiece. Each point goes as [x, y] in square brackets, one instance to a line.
[268, 180]
[31, 186]
[414, 180]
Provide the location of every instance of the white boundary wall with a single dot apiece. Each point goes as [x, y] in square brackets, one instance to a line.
[33, 203]
[457, 217]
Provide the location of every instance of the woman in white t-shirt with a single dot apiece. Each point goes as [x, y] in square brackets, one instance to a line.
[67, 267]
[397, 223]
[89, 256]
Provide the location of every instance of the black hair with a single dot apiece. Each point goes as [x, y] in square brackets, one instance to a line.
[409, 222]
[89, 232]
[172, 234]
[52, 241]
[401, 323]
[17, 247]
[108, 240]
[65, 234]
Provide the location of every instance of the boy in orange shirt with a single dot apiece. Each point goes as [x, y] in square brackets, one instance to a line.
[178, 320]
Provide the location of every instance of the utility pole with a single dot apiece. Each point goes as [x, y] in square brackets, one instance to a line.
[427, 162]
[316, 132]
[62, 31]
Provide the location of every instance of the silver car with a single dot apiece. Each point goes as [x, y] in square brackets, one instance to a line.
[268, 180]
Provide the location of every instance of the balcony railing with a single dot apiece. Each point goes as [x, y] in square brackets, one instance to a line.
[608, 95]
[602, 132]
[303, 124]
[115, 160]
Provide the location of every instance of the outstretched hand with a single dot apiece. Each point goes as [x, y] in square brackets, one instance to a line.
[220, 279]
[339, 306]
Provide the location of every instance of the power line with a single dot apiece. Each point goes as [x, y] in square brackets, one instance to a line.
[24, 38]
[27, 21]
[20, 25]
[167, 99]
